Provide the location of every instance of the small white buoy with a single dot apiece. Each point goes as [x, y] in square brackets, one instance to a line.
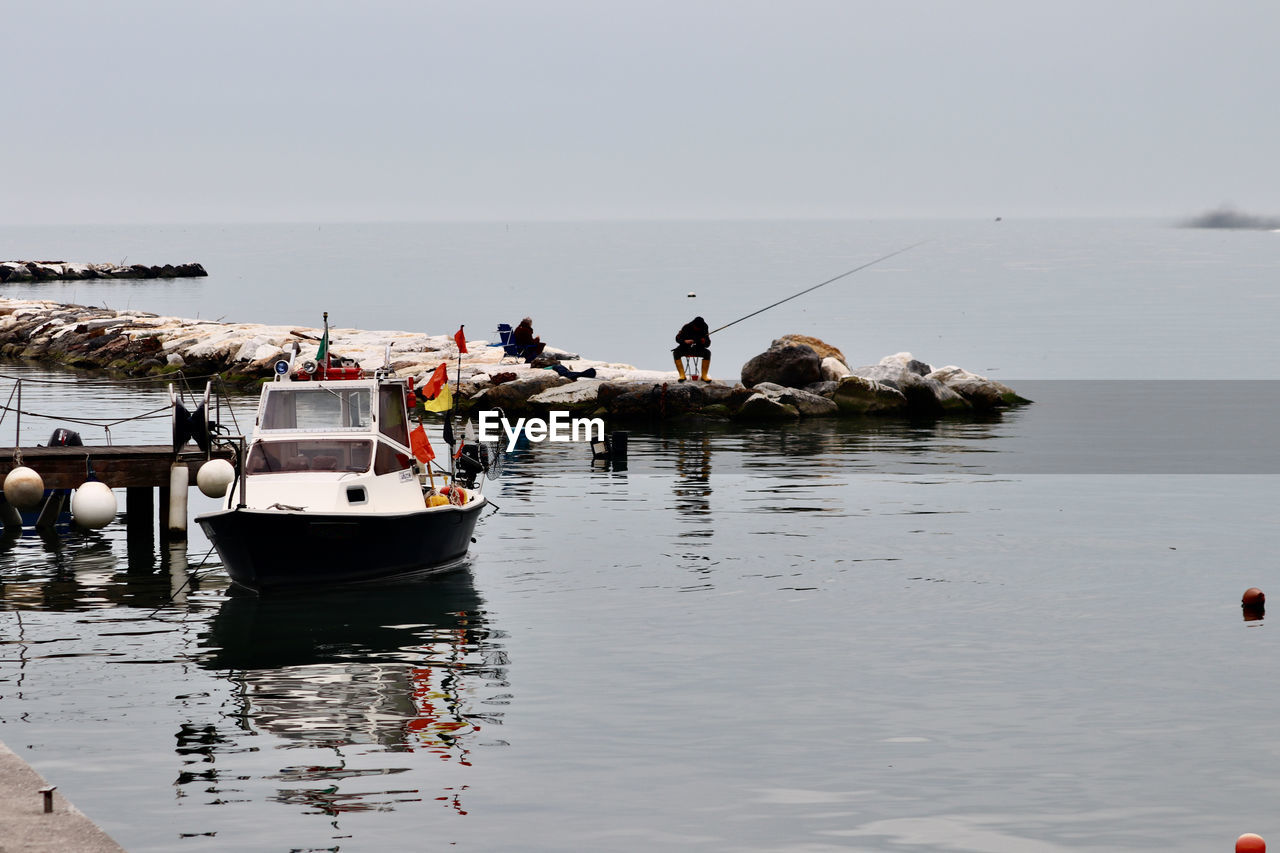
[93, 505]
[215, 477]
[24, 488]
[692, 294]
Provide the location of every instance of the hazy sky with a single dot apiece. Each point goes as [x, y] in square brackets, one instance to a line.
[177, 111]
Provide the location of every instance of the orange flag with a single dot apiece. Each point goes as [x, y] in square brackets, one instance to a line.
[420, 445]
[460, 340]
[432, 386]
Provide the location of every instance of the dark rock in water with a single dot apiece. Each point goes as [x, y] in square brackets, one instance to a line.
[12, 271]
[858, 396]
[982, 393]
[825, 388]
[821, 347]
[806, 404]
[661, 399]
[514, 396]
[42, 272]
[761, 407]
[789, 365]
[906, 374]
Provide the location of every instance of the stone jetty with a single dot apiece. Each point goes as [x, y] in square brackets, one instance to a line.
[797, 377]
[62, 271]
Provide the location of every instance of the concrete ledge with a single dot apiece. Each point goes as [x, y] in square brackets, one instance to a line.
[26, 827]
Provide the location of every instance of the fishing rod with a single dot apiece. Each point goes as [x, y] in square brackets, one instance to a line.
[816, 286]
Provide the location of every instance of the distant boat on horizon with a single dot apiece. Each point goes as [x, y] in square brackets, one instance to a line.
[1225, 217]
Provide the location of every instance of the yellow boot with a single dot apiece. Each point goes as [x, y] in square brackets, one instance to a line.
[706, 365]
[680, 368]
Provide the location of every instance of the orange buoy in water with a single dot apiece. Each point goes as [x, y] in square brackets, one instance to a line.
[1253, 597]
[1250, 843]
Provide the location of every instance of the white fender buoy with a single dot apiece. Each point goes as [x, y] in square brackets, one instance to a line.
[93, 505]
[215, 477]
[24, 488]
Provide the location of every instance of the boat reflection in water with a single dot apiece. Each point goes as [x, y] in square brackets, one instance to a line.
[396, 668]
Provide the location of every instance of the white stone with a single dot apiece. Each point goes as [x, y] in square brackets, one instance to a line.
[576, 392]
[833, 369]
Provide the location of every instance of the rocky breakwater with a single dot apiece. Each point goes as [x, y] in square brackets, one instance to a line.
[798, 377]
[137, 344]
[21, 271]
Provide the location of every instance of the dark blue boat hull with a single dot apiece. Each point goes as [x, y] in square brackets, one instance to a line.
[272, 549]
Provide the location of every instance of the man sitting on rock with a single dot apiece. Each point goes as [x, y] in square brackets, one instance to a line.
[694, 339]
[530, 347]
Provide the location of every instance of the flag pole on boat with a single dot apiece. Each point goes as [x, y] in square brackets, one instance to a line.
[324, 346]
[461, 340]
[823, 284]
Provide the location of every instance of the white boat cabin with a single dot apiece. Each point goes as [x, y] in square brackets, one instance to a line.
[332, 446]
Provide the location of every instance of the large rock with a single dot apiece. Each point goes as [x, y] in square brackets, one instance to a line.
[821, 347]
[982, 393]
[761, 407]
[663, 399]
[14, 271]
[789, 365]
[904, 373]
[807, 404]
[578, 396]
[858, 396]
[514, 396]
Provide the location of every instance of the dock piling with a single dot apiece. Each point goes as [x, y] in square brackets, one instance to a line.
[179, 480]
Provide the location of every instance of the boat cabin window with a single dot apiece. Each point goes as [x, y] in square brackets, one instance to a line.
[274, 457]
[391, 417]
[316, 409]
[388, 460]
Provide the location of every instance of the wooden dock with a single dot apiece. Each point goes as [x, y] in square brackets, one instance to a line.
[139, 469]
[120, 466]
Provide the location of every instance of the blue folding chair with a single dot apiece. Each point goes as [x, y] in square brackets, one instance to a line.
[509, 349]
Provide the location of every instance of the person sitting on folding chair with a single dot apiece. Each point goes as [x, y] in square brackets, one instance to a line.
[694, 339]
[522, 337]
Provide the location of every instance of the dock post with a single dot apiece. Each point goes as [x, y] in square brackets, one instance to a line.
[139, 504]
[179, 478]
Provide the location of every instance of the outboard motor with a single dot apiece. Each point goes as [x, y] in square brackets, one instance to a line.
[471, 462]
[65, 438]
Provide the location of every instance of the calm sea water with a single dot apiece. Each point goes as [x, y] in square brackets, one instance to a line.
[1071, 299]
[1013, 634]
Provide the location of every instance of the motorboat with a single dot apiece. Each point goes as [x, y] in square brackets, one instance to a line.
[329, 491]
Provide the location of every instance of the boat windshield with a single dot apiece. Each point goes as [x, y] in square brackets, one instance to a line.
[273, 457]
[316, 409]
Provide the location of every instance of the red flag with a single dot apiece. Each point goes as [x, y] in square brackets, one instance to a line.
[432, 386]
[460, 340]
[420, 445]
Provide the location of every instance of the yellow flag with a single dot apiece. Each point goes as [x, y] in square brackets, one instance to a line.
[441, 402]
